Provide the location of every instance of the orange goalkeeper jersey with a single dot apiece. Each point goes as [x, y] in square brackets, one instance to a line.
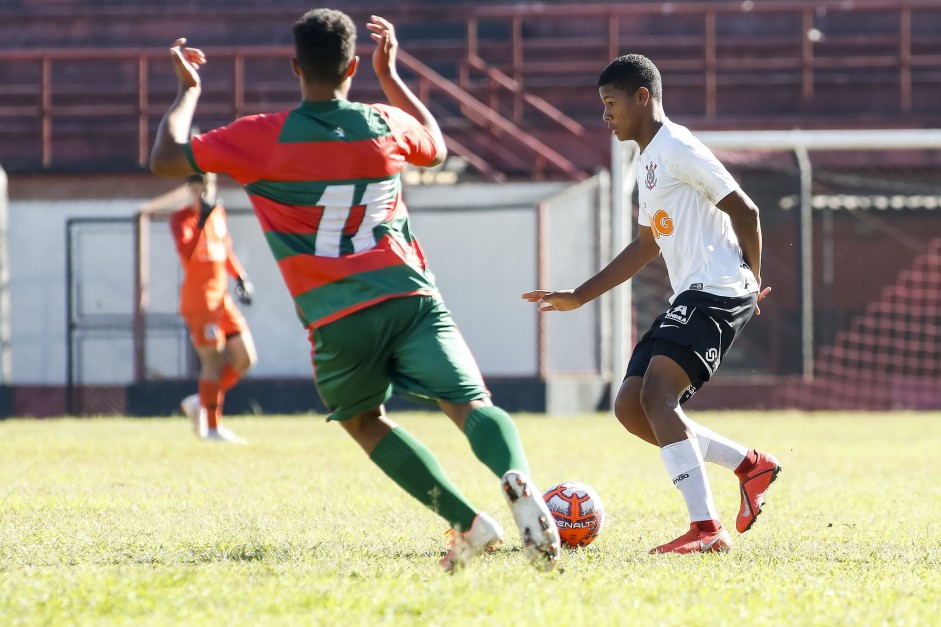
[207, 257]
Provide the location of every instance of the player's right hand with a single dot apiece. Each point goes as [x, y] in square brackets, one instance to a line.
[761, 296]
[553, 300]
[186, 62]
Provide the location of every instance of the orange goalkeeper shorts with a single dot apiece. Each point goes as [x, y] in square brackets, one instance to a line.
[211, 328]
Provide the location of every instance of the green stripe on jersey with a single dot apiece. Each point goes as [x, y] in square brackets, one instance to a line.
[334, 120]
[284, 245]
[328, 299]
[306, 193]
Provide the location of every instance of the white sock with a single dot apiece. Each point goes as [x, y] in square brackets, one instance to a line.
[687, 471]
[718, 449]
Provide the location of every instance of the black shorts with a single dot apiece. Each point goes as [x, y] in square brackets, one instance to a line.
[695, 332]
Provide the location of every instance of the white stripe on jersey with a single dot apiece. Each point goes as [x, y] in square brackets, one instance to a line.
[337, 201]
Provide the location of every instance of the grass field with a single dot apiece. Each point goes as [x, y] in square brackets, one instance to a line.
[121, 521]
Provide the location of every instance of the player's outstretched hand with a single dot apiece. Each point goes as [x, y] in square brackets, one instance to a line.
[244, 290]
[761, 296]
[383, 57]
[186, 62]
[553, 300]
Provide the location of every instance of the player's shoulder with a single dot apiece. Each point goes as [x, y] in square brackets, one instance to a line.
[179, 218]
[181, 214]
[255, 123]
[681, 143]
[678, 136]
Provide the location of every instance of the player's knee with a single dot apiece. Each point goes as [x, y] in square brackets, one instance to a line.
[654, 395]
[243, 363]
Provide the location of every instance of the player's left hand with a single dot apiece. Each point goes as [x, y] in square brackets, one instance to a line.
[244, 290]
[383, 57]
[553, 300]
[761, 296]
[186, 62]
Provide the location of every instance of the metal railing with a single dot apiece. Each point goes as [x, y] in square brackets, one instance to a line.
[530, 52]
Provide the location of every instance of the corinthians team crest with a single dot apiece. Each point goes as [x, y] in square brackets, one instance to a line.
[651, 180]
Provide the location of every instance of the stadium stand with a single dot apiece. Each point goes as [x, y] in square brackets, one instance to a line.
[509, 82]
[85, 82]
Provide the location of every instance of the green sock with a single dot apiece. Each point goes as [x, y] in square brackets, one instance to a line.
[415, 469]
[495, 440]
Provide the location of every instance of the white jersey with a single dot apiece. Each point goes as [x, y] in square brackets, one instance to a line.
[679, 182]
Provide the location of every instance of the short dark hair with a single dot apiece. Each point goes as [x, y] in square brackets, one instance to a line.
[325, 43]
[630, 72]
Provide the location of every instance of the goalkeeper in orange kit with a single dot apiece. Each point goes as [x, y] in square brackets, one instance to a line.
[218, 330]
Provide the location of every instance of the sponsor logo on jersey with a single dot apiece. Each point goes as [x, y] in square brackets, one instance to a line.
[662, 224]
[695, 286]
[651, 180]
[680, 313]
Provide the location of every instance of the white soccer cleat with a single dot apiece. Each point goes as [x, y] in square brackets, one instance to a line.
[484, 534]
[222, 434]
[537, 527]
[193, 410]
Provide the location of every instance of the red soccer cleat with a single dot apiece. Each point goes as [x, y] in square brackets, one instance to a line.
[753, 486]
[697, 541]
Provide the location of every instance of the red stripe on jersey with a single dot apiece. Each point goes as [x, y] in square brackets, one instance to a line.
[275, 216]
[331, 161]
[354, 220]
[303, 273]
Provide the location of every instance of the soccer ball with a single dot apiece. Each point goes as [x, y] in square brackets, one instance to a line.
[578, 512]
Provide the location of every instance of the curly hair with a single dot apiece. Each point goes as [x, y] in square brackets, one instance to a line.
[630, 72]
[325, 43]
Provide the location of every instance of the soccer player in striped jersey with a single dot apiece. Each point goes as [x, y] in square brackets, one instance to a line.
[217, 328]
[325, 180]
[707, 229]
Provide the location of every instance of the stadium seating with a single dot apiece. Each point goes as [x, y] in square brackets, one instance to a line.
[85, 82]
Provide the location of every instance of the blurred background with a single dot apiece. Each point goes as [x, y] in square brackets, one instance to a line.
[534, 193]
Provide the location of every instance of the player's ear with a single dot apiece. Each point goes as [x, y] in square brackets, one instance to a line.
[296, 67]
[643, 96]
[351, 68]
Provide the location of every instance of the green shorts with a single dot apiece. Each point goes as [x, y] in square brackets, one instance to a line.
[409, 346]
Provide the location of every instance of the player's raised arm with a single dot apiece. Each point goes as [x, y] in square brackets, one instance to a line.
[168, 156]
[397, 92]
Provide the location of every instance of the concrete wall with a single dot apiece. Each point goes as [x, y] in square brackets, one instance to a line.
[481, 241]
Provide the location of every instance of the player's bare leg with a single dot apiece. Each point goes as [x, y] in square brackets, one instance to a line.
[240, 355]
[664, 383]
[629, 411]
[754, 469]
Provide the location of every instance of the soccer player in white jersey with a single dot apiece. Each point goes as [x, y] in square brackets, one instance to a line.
[708, 231]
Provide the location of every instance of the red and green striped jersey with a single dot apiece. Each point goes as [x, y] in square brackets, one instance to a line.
[325, 183]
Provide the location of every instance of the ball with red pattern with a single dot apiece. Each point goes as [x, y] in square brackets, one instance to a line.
[578, 512]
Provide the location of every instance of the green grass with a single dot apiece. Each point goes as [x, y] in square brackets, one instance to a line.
[135, 522]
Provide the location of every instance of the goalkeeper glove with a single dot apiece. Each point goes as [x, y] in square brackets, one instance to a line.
[244, 290]
[204, 210]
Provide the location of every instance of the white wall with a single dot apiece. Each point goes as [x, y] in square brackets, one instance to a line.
[480, 242]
